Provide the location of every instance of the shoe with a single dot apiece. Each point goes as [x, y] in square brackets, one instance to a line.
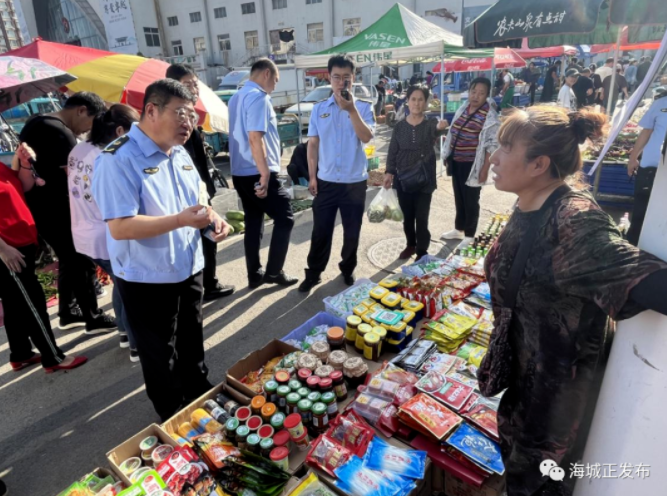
[78, 361]
[309, 283]
[124, 340]
[100, 325]
[219, 291]
[74, 319]
[134, 356]
[407, 253]
[453, 234]
[3, 489]
[256, 280]
[349, 279]
[100, 292]
[281, 279]
[467, 241]
[16, 366]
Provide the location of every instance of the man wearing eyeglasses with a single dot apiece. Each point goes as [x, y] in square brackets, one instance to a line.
[339, 128]
[213, 290]
[154, 202]
[254, 151]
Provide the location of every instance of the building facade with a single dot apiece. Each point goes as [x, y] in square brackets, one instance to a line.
[230, 33]
[10, 30]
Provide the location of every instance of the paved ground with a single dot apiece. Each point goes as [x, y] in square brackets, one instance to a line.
[55, 428]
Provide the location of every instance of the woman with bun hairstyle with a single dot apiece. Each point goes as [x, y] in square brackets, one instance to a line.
[89, 231]
[558, 273]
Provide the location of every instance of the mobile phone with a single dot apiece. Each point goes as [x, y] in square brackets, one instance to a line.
[344, 93]
[209, 231]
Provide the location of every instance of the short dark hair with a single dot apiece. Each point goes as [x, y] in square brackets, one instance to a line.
[105, 123]
[342, 62]
[429, 72]
[264, 64]
[179, 71]
[585, 69]
[575, 60]
[482, 80]
[418, 87]
[92, 101]
[609, 60]
[162, 91]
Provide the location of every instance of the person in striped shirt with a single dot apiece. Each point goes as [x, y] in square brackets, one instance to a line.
[469, 144]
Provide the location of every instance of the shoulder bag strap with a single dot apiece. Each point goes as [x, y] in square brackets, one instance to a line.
[526, 245]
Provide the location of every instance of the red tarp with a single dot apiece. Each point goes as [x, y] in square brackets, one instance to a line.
[504, 58]
[557, 51]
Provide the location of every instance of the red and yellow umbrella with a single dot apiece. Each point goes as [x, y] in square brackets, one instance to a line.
[119, 77]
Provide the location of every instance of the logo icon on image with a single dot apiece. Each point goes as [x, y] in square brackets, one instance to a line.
[550, 468]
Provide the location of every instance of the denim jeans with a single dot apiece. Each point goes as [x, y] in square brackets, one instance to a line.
[118, 307]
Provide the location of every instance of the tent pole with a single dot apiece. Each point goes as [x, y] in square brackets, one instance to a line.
[298, 104]
[442, 99]
[598, 172]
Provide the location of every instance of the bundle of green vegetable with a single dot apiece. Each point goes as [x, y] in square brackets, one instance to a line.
[250, 472]
[236, 218]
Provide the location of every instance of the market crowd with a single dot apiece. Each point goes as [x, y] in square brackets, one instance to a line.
[135, 199]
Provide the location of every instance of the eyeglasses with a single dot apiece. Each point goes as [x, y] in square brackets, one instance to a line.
[183, 115]
[338, 78]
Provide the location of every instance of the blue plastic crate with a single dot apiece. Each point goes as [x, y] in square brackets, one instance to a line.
[321, 318]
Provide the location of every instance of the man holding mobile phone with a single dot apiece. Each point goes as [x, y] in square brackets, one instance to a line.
[338, 130]
[152, 198]
[254, 150]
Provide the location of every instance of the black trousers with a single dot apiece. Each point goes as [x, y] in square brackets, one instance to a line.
[168, 328]
[277, 206]
[466, 199]
[416, 209]
[643, 188]
[533, 87]
[210, 249]
[76, 272]
[26, 318]
[350, 199]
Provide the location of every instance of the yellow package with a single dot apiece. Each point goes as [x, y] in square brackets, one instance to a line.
[457, 323]
[391, 300]
[378, 292]
[359, 310]
[368, 302]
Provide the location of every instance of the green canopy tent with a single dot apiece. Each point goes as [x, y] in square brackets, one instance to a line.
[399, 36]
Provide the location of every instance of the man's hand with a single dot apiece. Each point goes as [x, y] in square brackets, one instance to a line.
[312, 186]
[263, 190]
[589, 92]
[633, 165]
[442, 125]
[347, 105]
[12, 258]
[388, 180]
[194, 217]
[25, 153]
[220, 229]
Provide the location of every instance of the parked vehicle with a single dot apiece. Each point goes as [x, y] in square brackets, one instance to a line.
[17, 116]
[361, 91]
[234, 79]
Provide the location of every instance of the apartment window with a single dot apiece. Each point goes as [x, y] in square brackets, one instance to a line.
[251, 40]
[351, 27]
[248, 8]
[152, 37]
[220, 12]
[177, 47]
[200, 45]
[279, 4]
[315, 32]
[195, 16]
[13, 43]
[311, 2]
[224, 42]
[173, 21]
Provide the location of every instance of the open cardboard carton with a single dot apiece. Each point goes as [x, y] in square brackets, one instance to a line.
[130, 448]
[171, 425]
[253, 361]
[101, 473]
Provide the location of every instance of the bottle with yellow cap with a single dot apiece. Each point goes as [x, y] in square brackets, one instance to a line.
[372, 346]
[378, 292]
[392, 301]
[353, 322]
[362, 330]
[382, 334]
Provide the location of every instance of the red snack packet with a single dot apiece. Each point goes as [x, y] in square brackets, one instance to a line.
[353, 435]
[327, 455]
[181, 468]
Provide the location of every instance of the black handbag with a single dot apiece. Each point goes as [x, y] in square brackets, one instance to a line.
[495, 371]
[449, 161]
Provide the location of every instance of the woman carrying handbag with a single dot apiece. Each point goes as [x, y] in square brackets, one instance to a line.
[411, 170]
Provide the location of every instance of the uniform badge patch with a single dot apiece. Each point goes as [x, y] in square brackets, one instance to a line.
[324, 116]
[115, 145]
[187, 167]
[151, 170]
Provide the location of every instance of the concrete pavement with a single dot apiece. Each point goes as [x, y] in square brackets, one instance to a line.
[55, 428]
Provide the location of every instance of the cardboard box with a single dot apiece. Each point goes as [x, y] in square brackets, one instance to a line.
[254, 361]
[99, 472]
[171, 425]
[493, 486]
[130, 448]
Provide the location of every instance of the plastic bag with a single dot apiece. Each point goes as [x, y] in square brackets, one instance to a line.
[311, 486]
[327, 455]
[385, 207]
[354, 478]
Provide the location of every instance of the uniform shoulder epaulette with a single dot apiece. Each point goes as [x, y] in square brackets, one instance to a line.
[115, 145]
